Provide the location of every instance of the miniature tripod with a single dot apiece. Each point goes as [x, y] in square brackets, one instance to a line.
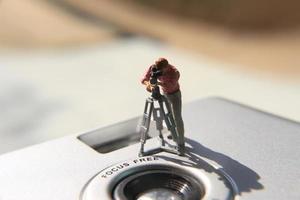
[159, 114]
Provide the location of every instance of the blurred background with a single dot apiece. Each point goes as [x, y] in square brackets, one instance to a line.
[69, 66]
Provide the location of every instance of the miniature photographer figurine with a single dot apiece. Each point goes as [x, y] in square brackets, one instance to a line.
[167, 76]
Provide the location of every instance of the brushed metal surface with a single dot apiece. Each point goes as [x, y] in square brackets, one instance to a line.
[258, 151]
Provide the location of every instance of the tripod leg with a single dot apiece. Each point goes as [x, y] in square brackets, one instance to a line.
[158, 118]
[163, 143]
[168, 116]
[145, 123]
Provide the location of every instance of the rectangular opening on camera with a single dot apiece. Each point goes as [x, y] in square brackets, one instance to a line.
[114, 137]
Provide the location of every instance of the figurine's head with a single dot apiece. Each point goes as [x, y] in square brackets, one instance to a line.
[161, 63]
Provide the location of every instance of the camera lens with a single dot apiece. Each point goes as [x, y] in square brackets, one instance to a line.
[159, 194]
[158, 185]
[155, 178]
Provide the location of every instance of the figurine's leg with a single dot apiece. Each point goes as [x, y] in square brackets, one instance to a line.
[168, 117]
[176, 105]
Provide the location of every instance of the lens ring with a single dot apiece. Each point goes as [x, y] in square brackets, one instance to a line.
[213, 184]
[183, 186]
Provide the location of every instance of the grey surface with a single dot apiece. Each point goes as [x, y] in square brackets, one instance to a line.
[259, 151]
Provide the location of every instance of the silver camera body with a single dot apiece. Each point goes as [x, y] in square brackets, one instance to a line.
[233, 152]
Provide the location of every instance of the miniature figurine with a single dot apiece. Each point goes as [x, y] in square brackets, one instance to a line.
[166, 76]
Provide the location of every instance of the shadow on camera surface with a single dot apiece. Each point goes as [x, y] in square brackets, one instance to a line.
[245, 178]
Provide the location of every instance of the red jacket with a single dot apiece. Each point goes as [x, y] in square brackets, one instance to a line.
[168, 80]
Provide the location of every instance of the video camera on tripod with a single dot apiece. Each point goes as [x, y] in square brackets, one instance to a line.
[155, 73]
[162, 112]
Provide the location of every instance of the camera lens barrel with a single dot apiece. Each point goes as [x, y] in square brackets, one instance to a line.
[155, 178]
[160, 183]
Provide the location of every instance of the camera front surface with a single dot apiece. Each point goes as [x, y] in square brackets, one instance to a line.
[233, 152]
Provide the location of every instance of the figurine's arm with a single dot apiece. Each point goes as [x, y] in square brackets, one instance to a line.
[145, 79]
